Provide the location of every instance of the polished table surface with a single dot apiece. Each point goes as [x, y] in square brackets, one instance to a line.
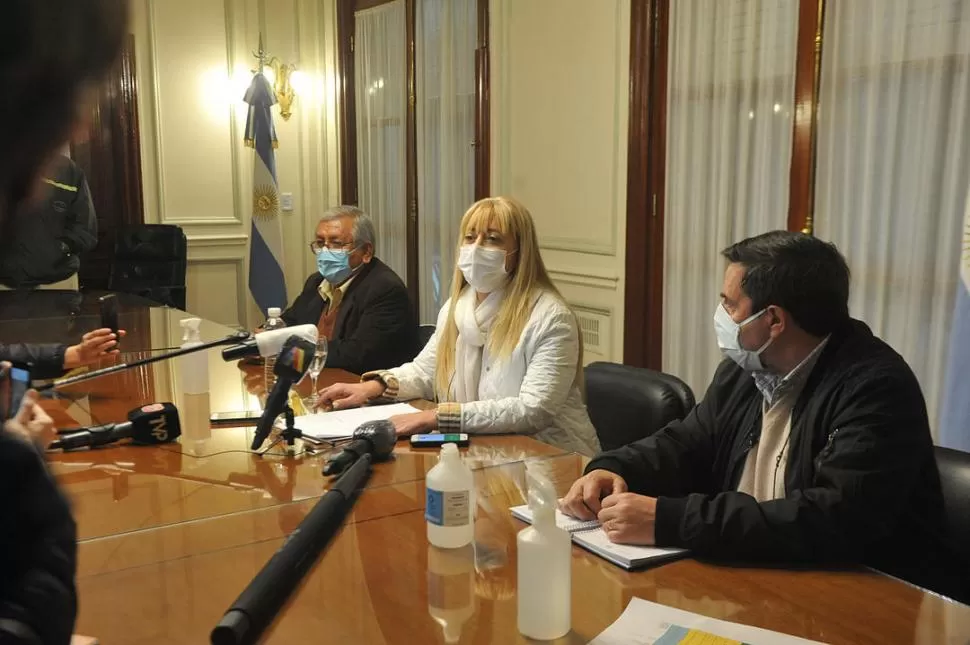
[170, 535]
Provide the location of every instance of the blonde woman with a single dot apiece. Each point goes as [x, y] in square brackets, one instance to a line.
[506, 355]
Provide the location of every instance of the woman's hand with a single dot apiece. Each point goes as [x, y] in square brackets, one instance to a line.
[93, 345]
[349, 395]
[416, 423]
[31, 423]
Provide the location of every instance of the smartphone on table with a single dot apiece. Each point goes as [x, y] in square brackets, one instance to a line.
[109, 315]
[437, 439]
[241, 418]
[14, 383]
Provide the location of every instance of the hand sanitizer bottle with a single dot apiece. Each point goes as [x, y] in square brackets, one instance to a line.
[449, 510]
[195, 367]
[545, 567]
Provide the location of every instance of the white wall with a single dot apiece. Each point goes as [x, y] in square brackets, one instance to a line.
[194, 63]
[560, 101]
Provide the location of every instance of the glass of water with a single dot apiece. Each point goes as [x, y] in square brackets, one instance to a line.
[316, 366]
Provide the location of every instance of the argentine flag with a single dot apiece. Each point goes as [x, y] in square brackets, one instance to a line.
[955, 419]
[266, 280]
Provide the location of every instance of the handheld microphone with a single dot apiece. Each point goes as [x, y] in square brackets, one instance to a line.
[291, 364]
[269, 343]
[375, 438]
[151, 424]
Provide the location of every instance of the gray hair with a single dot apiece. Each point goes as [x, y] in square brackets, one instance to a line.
[363, 230]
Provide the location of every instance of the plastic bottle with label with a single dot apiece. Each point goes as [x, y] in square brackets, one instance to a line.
[451, 588]
[449, 500]
[195, 367]
[272, 322]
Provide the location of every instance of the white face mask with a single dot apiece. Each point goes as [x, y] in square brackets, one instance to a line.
[729, 340]
[484, 269]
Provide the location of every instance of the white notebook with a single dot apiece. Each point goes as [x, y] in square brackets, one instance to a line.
[332, 426]
[591, 537]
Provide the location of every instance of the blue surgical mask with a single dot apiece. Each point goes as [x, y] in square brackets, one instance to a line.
[334, 265]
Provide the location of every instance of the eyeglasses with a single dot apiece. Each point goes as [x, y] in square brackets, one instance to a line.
[317, 246]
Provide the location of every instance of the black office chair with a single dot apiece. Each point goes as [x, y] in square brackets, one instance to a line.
[150, 261]
[954, 466]
[425, 332]
[628, 403]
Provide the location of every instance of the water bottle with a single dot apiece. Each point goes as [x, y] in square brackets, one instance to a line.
[449, 510]
[273, 322]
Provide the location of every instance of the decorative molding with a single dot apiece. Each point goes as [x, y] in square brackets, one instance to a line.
[502, 147]
[157, 125]
[241, 292]
[195, 241]
[586, 279]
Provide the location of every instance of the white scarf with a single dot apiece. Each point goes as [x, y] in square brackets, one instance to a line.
[474, 322]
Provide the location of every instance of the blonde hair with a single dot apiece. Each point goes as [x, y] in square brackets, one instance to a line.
[509, 217]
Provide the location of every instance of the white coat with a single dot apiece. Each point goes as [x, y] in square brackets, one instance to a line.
[536, 391]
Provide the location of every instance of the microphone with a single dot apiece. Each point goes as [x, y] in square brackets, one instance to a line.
[269, 343]
[260, 602]
[375, 438]
[291, 364]
[150, 424]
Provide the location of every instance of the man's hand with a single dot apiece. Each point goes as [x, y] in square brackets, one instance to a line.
[416, 423]
[32, 424]
[583, 499]
[349, 395]
[93, 345]
[629, 518]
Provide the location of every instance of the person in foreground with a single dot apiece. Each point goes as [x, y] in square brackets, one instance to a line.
[55, 53]
[506, 355]
[49, 360]
[356, 301]
[812, 442]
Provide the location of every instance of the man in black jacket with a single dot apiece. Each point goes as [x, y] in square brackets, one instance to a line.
[46, 240]
[356, 301]
[812, 443]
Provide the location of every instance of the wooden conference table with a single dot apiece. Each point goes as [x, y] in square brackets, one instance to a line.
[170, 535]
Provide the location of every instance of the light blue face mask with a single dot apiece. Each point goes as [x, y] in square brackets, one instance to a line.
[334, 265]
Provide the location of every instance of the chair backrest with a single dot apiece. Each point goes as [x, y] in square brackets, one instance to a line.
[425, 332]
[150, 260]
[954, 466]
[628, 403]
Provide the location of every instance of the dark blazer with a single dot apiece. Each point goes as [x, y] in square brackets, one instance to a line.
[376, 326]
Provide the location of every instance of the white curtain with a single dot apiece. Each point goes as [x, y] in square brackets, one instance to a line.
[445, 40]
[381, 90]
[731, 81]
[894, 166]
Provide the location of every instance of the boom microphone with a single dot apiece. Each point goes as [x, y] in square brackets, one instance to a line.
[291, 364]
[260, 602]
[269, 343]
[151, 424]
[375, 438]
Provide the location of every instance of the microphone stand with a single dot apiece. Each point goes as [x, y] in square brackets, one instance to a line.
[290, 433]
[87, 376]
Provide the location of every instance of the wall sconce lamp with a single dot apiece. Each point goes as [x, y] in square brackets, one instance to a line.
[282, 77]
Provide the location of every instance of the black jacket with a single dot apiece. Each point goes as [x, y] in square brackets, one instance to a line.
[38, 552]
[46, 359]
[861, 477]
[375, 327]
[47, 238]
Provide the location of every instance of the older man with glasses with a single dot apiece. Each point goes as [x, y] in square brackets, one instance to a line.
[356, 301]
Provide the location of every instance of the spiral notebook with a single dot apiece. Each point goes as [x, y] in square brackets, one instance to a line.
[590, 536]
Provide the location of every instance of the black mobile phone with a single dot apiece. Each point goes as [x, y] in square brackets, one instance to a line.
[16, 383]
[437, 439]
[109, 314]
[244, 417]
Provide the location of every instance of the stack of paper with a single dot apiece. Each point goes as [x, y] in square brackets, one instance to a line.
[333, 426]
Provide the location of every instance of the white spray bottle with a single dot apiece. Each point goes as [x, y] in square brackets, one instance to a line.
[195, 367]
[545, 566]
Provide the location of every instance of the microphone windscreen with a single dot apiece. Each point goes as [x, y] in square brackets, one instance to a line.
[270, 343]
[381, 434]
